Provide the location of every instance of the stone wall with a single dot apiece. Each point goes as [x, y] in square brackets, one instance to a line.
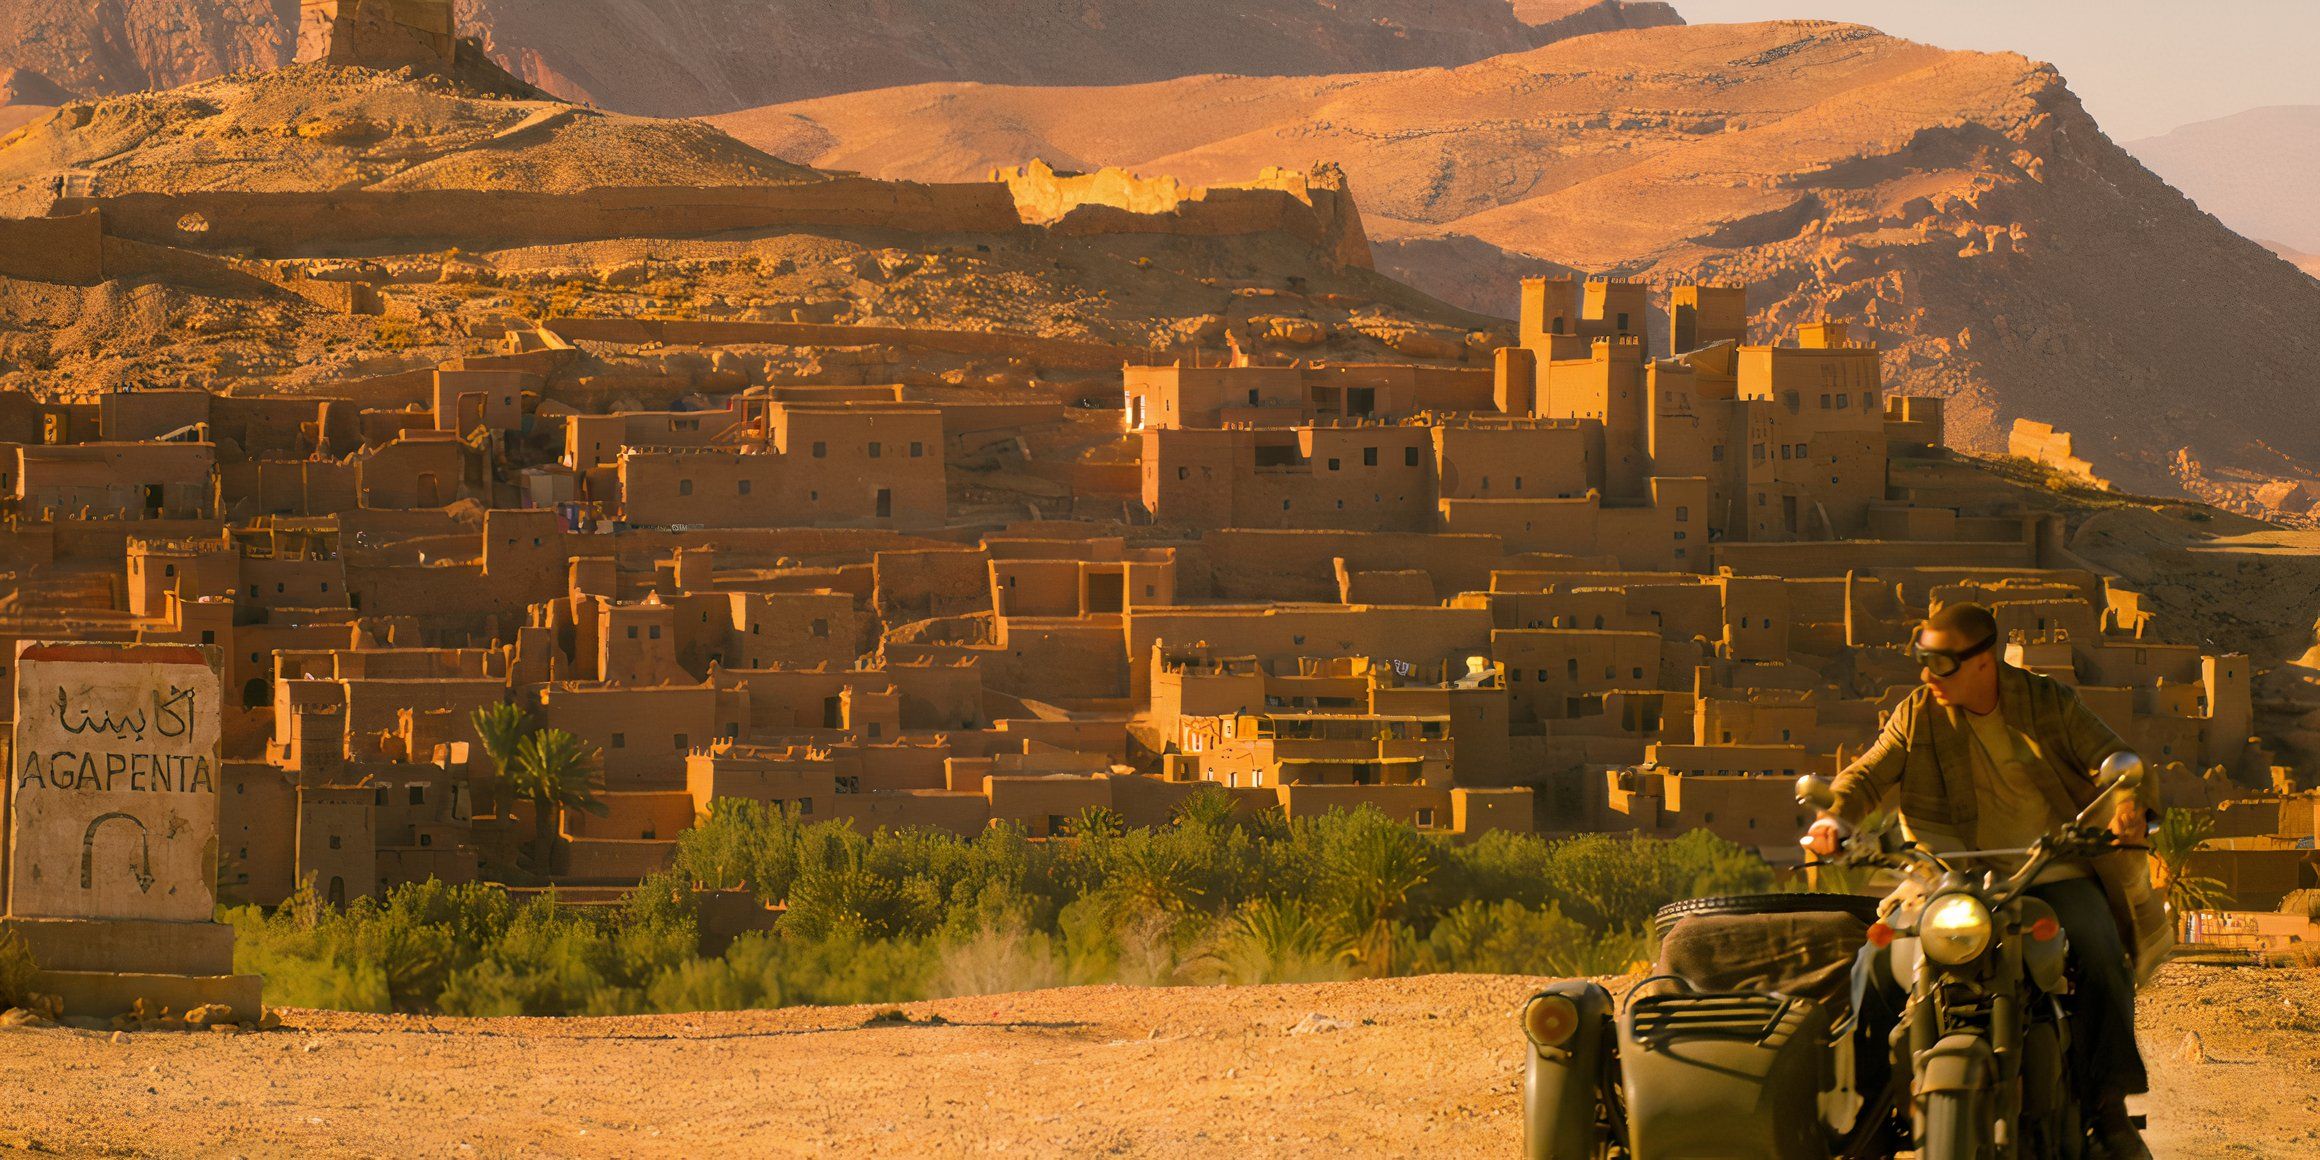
[1250, 564]
[1046, 351]
[66, 248]
[347, 222]
[1836, 557]
[2041, 443]
[920, 584]
[1314, 205]
[126, 258]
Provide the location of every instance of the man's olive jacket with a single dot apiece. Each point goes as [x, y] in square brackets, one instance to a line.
[1925, 752]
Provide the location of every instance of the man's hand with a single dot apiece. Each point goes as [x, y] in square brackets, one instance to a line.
[1825, 838]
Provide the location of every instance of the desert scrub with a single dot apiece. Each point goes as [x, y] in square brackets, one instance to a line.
[394, 334]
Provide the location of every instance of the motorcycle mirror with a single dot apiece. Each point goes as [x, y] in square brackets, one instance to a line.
[1815, 792]
[2120, 771]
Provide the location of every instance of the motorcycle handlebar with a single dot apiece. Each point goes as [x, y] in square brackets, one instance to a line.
[2121, 772]
[2070, 839]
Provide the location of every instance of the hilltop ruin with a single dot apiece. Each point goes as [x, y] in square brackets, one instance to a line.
[380, 34]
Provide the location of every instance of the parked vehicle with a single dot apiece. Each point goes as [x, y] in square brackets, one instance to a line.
[1742, 1044]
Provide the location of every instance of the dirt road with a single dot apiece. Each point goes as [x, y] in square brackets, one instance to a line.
[1420, 1066]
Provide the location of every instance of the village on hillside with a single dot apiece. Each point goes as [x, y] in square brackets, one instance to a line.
[1635, 572]
[1546, 578]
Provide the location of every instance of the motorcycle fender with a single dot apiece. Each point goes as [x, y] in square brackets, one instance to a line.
[2042, 1070]
[2042, 961]
[1562, 1084]
[1959, 1063]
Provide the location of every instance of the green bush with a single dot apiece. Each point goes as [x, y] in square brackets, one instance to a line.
[16, 968]
[894, 916]
[467, 950]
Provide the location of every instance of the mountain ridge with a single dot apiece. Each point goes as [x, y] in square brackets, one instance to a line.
[2254, 169]
[695, 57]
[1962, 208]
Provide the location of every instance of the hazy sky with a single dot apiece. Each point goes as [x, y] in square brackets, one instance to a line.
[2142, 66]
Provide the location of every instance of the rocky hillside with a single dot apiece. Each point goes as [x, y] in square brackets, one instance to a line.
[20, 89]
[318, 127]
[2309, 263]
[686, 57]
[119, 46]
[2256, 170]
[26, 97]
[1964, 205]
[167, 317]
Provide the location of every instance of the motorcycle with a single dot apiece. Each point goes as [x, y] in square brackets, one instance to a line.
[1740, 1044]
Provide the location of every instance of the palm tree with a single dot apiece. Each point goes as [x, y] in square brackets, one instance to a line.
[1096, 822]
[1209, 807]
[1277, 940]
[1150, 875]
[501, 727]
[1375, 867]
[2179, 835]
[554, 771]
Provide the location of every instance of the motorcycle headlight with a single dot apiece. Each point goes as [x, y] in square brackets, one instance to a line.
[1550, 1020]
[1954, 929]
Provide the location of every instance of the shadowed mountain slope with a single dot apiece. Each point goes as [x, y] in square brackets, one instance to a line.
[688, 57]
[1963, 205]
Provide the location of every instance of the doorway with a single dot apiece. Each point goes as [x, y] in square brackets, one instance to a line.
[1107, 592]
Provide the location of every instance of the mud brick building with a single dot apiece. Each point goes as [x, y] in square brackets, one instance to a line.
[1635, 574]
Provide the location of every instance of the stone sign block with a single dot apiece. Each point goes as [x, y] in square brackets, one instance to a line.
[113, 782]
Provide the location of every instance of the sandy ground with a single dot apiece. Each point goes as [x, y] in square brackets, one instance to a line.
[1427, 1066]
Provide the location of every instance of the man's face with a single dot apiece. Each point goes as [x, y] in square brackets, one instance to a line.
[1975, 682]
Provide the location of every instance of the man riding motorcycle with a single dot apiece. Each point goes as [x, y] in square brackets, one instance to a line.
[1988, 756]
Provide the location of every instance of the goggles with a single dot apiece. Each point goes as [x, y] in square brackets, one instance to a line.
[1944, 663]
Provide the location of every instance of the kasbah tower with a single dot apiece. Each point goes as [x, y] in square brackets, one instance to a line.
[380, 34]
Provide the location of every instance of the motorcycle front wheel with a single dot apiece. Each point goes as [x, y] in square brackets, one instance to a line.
[1952, 1126]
